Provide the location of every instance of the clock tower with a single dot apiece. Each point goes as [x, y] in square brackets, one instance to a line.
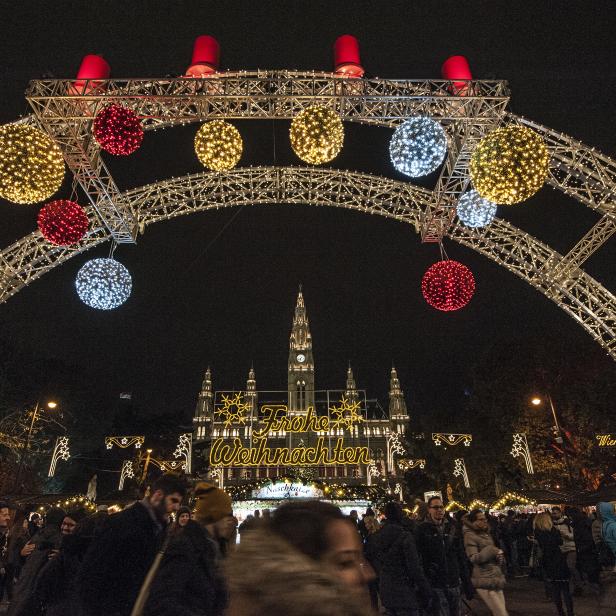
[301, 362]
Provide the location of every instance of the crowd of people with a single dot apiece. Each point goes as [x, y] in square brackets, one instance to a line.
[160, 558]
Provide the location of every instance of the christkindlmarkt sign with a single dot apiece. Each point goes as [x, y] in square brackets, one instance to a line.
[284, 489]
[606, 441]
[274, 420]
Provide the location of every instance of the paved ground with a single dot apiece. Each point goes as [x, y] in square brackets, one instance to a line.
[526, 597]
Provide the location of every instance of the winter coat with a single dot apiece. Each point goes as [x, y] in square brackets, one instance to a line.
[402, 583]
[4, 548]
[268, 576]
[481, 551]
[188, 580]
[563, 526]
[608, 515]
[17, 541]
[56, 585]
[25, 602]
[553, 559]
[117, 562]
[442, 554]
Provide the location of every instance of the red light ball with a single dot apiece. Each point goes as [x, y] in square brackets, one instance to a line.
[448, 285]
[118, 130]
[63, 222]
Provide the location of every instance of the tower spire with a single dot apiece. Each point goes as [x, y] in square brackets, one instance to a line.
[301, 362]
[397, 404]
[351, 389]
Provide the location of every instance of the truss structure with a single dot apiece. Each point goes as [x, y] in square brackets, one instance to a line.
[589, 303]
[577, 170]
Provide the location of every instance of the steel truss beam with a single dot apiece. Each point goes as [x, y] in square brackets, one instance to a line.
[578, 294]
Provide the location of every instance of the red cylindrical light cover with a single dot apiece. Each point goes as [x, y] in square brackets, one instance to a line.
[205, 58]
[456, 67]
[92, 69]
[346, 56]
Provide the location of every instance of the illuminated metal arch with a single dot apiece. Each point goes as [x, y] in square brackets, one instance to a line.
[577, 293]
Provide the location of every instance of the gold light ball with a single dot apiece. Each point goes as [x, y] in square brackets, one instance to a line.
[218, 145]
[509, 165]
[31, 164]
[317, 135]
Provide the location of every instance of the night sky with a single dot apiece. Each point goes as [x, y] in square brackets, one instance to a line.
[219, 288]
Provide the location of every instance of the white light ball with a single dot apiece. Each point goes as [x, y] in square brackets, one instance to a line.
[475, 211]
[418, 147]
[103, 284]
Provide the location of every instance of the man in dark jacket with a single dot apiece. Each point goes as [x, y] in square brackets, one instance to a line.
[403, 587]
[439, 543]
[119, 558]
[188, 581]
[4, 547]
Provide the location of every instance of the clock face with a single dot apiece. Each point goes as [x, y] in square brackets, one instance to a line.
[301, 358]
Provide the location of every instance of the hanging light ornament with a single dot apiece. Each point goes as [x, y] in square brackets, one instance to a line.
[448, 285]
[31, 164]
[509, 165]
[118, 130]
[103, 284]
[317, 135]
[218, 145]
[475, 211]
[62, 222]
[418, 147]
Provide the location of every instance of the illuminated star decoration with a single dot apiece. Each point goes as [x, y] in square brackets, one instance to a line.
[418, 147]
[31, 164]
[509, 165]
[233, 409]
[475, 211]
[345, 415]
[103, 284]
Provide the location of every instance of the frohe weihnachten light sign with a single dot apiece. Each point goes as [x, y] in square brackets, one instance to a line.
[276, 419]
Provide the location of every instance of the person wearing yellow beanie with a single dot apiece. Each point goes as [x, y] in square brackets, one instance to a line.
[188, 580]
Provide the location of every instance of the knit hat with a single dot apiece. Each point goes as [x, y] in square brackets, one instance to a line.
[212, 504]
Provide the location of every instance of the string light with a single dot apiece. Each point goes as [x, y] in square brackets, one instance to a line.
[418, 147]
[62, 222]
[509, 165]
[317, 135]
[103, 284]
[218, 145]
[118, 130]
[31, 164]
[448, 285]
[475, 211]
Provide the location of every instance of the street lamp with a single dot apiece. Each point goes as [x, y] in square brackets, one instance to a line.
[50, 405]
[536, 401]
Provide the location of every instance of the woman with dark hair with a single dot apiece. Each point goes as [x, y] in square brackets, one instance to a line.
[304, 562]
[553, 562]
[487, 559]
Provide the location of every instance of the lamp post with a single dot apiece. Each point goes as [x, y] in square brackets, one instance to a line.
[50, 405]
[536, 401]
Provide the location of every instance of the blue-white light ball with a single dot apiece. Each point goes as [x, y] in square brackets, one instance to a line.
[103, 283]
[418, 147]
[475, 211]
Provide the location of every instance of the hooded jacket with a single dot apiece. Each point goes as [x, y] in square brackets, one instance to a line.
[608, 529]
[481, 551]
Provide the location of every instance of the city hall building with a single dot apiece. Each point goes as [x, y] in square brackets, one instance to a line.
[330, 437]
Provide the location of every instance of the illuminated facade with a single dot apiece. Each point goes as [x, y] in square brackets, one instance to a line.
[231, 421]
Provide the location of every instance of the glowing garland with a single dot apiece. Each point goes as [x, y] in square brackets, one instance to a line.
[103, 284]
[448, 285]
[509, 165]
[62, 222]
[31, 164]
[475, 211]
[118, 130]
[317, 135]
[218, 145]
[418, 147]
